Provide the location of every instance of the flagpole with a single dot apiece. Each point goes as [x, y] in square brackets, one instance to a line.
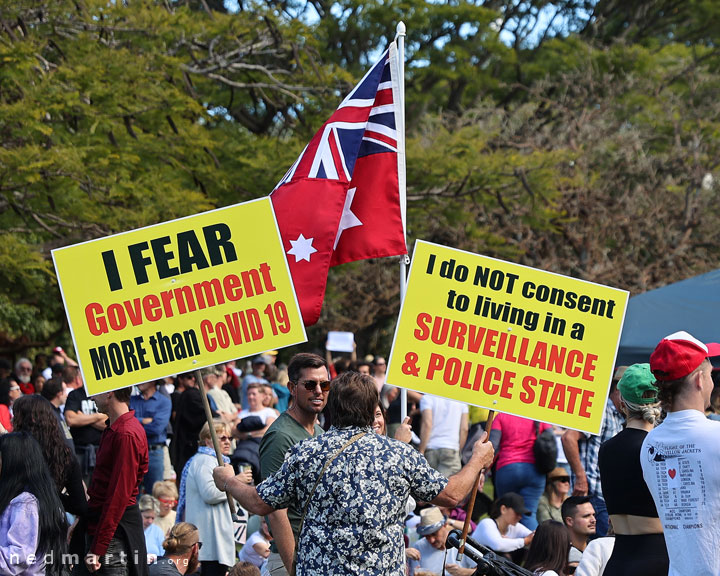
[404, 260]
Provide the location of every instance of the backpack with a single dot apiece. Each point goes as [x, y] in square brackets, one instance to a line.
[544, 450]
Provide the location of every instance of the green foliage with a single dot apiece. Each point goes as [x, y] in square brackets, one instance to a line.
[580, 137]
[112, 118]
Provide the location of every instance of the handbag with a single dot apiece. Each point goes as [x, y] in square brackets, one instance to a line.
[307, 502]
[545, 450]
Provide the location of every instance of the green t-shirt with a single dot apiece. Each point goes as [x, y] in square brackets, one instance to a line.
[546, 511]
[282, 435]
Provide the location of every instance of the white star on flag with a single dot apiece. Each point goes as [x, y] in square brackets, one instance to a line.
[348, 219]
[302, 248]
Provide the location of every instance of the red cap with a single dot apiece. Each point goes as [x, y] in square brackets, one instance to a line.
[713, 349]
[677, 356]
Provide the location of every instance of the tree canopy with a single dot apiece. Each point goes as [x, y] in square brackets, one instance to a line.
[577, 136]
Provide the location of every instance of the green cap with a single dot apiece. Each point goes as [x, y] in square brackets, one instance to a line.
[635, 384]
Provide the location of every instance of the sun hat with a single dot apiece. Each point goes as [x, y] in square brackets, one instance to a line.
[431, 520]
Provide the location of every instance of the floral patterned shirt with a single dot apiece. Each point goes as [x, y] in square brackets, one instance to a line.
[354, 520]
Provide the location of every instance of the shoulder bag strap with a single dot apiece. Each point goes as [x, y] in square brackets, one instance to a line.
[307, 502]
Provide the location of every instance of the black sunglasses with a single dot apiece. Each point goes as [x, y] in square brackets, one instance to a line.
[310, 385]
[561, 479]
[199, 544]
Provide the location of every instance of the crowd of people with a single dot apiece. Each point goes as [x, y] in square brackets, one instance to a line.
[320, 475]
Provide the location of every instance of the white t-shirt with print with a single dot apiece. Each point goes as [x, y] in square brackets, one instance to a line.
[681, 465]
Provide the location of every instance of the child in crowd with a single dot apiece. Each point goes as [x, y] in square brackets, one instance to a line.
[257, 547]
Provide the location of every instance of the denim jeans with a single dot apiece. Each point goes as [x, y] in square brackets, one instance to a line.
[156, 468]
[602, 521]
[524, 479]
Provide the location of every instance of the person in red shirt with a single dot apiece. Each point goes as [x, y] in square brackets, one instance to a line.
[5, 423]
[115, 543]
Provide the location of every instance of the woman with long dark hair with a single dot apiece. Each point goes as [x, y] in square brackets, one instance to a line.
[548, 554]
[35, 415]
[27, 537]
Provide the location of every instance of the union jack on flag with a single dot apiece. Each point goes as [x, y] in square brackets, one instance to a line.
[363, 124]
[342, 200]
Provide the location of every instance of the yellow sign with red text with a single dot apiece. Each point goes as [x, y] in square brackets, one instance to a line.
[507, 337]
[178, 296]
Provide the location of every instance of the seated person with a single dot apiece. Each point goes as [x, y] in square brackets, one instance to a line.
[579, 518]
[153, 535]
[166, 493]
[557, 486]
[502, 532]
[257, 546]
[434, 528]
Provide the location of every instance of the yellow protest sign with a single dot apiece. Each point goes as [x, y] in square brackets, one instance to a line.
[178, 296]
[507, 337]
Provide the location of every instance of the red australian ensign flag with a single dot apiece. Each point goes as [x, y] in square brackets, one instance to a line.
[341, 200]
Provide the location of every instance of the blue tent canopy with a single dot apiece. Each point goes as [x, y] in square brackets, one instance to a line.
[692, 305]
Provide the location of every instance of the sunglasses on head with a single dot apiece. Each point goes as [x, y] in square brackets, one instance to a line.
[310, 385]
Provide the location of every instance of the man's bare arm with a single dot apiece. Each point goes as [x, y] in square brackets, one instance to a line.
[570, 439]
[463, 430]
[425, 429]
[74, 419]
[283, 536]
[245, 494]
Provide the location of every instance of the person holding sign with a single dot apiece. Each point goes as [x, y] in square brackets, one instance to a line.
[680, 458]
[352, 485]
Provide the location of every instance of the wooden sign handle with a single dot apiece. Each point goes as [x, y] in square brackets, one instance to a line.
[213, 435]
[473, 494]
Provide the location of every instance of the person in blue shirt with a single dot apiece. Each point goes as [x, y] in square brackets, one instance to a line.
[153, 410]
[153, 534]
[259, 369]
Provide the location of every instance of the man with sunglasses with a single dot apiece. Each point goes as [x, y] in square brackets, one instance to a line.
[309, 383]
